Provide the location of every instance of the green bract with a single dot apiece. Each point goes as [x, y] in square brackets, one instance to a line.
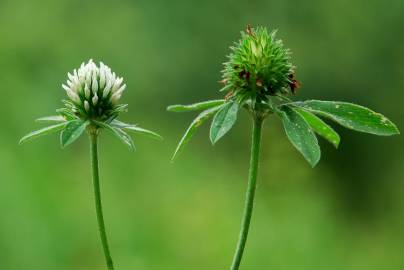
[93, 94]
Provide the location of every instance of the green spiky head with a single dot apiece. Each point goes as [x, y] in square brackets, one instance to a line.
[259, 66]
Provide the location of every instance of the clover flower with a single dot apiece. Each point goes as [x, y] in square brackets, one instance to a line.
[259, 66]
[93, 91]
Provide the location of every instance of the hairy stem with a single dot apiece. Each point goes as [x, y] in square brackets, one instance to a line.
[249, 201]
[97, 196]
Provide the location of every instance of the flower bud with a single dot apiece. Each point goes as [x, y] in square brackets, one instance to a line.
[259, 66]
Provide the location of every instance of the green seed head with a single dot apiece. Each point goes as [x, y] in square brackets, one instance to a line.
[93, 91]
[259, 66]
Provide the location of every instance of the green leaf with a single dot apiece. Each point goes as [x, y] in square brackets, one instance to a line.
[351, 116]
[300, 135]
[223, 121]
[196, 106]
[119, 133]
[72, 132]
[320, 127]
[42, 132]
[198, 121]
[136, 129]
[54, 118]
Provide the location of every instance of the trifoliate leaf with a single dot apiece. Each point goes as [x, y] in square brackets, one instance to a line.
[351, 116]
[223, 121]
[196, 106]
[300, 135]
[136, 129]
[319, 126]
[54, 118]
[72, 132]
[119, 133]
[42, 132]
[198, 121]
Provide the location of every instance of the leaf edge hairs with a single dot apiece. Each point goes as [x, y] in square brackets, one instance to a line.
[93, 94]
[259, 77]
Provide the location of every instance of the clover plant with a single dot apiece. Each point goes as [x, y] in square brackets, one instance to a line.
[93, 95]
[260, 78]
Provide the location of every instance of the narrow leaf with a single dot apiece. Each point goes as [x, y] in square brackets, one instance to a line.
[300, 135]
[54, 118]
[196, 106]
[119, 133]
[223, 121]
[351, 116]
[72, 132]
[198, 121]
[42, 132]
[320, 127]
[136, 129]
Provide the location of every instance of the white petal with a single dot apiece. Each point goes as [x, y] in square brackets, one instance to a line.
[66, 87]
[94, 85]
[87, 92]
[73, 96]
[95, 100]
[117, 84]
[86, 105]
[107, 89]
[88, 77]
[115, 97]
[70, 76]
[120, 90]
[102, 78]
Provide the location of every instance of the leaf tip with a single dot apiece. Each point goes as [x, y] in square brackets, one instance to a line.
[174, 158]
[158, 137]
[314, 163]
[336, 144]
[171, 108]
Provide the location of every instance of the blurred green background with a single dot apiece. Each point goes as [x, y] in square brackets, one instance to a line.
[347, 213]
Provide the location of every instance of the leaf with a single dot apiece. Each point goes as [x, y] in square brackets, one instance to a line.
[136, 129]
[54, 118]
[72, 132]
[119, 133]
[223, 121]
[42, 132]
[196, 123]
[300, 135]
[320, 127]
[351, 116]
[196, 106]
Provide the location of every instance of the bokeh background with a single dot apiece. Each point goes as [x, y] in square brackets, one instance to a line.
[347, 213]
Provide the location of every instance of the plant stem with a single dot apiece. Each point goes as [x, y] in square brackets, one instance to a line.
[97, 196]
[252, 183]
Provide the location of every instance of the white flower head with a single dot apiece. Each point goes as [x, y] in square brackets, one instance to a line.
[94, 91]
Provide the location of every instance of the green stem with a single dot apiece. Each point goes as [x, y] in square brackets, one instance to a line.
[252, 183]
[97, 196]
